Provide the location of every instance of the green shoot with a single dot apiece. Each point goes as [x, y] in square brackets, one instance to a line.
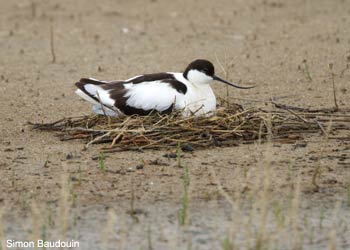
[322, 217]
[13, 178]
[183, 216]
[46, 163]
[101, 161]
[149, 237]
[49, 216]
[133, 211]
[75, 219]
[278, 214]
[132, 200]
[74, 199]
[226, 243]
[43, 233]
[80, 176]
[307, 71]
[312, 235]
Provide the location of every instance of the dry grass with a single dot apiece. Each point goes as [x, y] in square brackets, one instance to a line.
[229, 126]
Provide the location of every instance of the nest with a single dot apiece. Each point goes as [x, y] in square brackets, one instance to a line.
[230, 126]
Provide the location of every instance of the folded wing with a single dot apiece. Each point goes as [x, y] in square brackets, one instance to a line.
[133, 96]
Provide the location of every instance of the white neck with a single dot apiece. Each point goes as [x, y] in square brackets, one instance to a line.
[197, 77]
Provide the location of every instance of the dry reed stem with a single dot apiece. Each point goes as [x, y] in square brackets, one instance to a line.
[64, 204]
[36, 221]
[52, 44]
[330, 66]
[108, 231]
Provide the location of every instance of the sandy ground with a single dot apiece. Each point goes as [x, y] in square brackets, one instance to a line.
[265, 42]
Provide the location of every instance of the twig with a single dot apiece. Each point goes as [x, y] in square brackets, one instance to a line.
[321, 127]
[226, 77]
[33, 9]
[297, 115]
[284, 106]
[103, 108]
[334, 95]
[97, 139]
[346, 67]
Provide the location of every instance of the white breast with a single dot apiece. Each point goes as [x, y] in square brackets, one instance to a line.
[199, 98]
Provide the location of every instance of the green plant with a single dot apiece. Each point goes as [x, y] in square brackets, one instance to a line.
[322, 217]
[307, 70]
[149, 237]
[183, 216]
[226, 243]
[80, 176]
[101, 161]
[43, 233]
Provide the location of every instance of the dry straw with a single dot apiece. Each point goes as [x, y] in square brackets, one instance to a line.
[230, 126]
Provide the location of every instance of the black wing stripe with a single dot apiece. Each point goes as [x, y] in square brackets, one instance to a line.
[177, 85]
[164, 77]
[151, 78]
[91, 81]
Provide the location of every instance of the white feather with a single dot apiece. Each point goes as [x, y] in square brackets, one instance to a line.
[198, 77]
[97, 107]
[132, 78]
[103, 111]
[100, 93]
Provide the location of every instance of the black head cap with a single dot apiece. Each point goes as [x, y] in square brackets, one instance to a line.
[201, 65]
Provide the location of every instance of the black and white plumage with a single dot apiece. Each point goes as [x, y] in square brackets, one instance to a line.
[161, 92]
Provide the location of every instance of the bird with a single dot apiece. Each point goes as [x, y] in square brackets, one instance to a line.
[164, 92]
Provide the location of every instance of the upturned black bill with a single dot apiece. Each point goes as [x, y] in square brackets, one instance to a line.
[231, 84]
